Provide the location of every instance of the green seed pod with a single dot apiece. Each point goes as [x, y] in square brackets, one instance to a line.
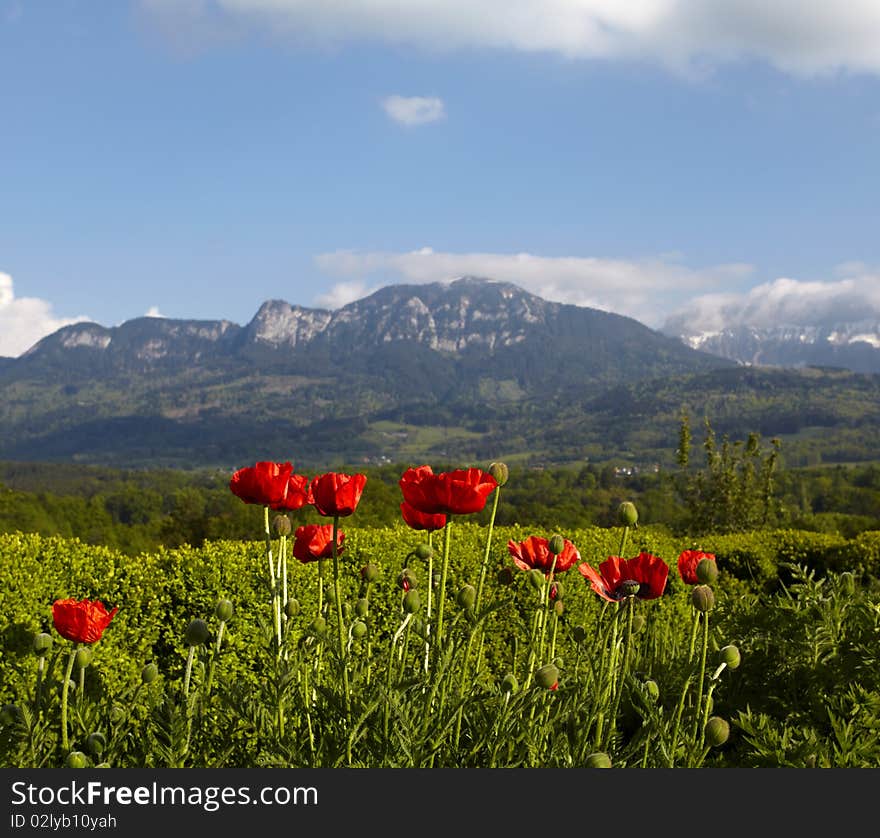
[76, 759]
[627, 514]
[598, 760]
[848, 582]
[362, 607]
[703, 598]
[423, 551]
[730, 655]
[318, 626]
[412, 602]
[536, 578]
[500, 472]
[556, 544]
[197, 633]
[505, 576]
[639, 623]
[281, 523]
[707, 571]
[629, 587]
[291, 607]
[84, 656]
[509, 684]
[548, 676]
[42, 644]
[652, 688]
[149, 673]
[370, 572]
[358, 629]
[717, 731]
[330, 594]
[224, 610]
[95, 743]
[467, 596]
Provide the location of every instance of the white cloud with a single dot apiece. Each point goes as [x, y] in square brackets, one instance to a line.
[343, 293]
[797, 36]
[414, 110]
[785, 302]
[25, 320]
[153, 311]
[645, 289]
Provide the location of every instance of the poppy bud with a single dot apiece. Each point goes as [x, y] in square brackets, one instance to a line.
[556, 591]
[717, 731]
[370, 572]
[509, 684]
[76, 759]
[556, 544]
[117, 714]
[291, 607]
[548, 676]
[598, 760]
[848, 582]
[103, 765]
[358, 628]
[652, 688]
[467, 596]
[318, 626]
[559, 607]
[197, 633]
[362, 607]
[536, 578]
[149, 673]
[412, 602]
[96, 742]
[703, 598]
[224, 610]
[629, 587]
[500, 472]
[424, 552]
[707, 571]
[281, 523]
[42, 644]
[639, 622]
[84, 656]
[505, 576]
[407, 580]
[10, 714]
[330, 593]
[730, 655]
[627, 514]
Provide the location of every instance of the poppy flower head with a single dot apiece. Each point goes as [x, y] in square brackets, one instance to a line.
[614, 579]
[265, 483]
[687, 565]
[336, 494]
[82, 621]
[297, 495]
[312, 542]
[458, 492]
[534, 554]
[421, 520]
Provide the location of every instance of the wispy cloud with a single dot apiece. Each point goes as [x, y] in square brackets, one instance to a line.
[153, 311]
[25, 320]
[646, 289]
[851, 298]
[414, 110]
[802, 38]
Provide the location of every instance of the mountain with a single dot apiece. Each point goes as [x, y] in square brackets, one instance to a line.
[470, 370]
[851, 345]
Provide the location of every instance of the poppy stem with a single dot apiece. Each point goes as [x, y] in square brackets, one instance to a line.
[65, 688]
[441, 594]
[699, 703]
[428, 607]
[629, 604]
[343, 661]
[273, 582]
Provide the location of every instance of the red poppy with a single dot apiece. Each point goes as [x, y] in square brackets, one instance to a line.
[687, 564]
[82, 621]
[534, 552]
[297, 494]
[337, 494]
[459, 492]
[649, 571]
[421, 520]
[315, 541]
[264, 483]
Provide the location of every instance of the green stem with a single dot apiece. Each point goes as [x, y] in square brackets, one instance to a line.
[189, 665]
[273, 581]
[343, 658]
[623, 542]
[38, 691]
[65, 742]
[694, 629]
[627, 642]
[81, 688]
[702, 675]
[428, 607]
[441, 594]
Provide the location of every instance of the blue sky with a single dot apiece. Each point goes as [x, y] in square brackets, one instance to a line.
[705, 162]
